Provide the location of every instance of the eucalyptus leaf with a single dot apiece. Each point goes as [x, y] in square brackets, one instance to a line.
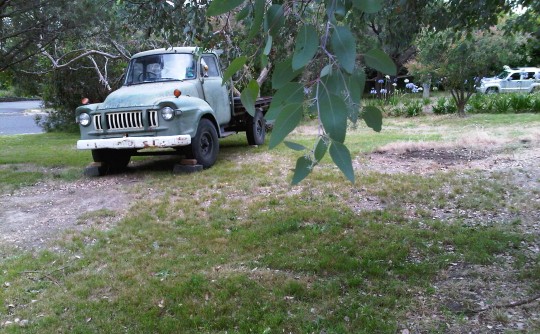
[356, 84]
[335, 82]
[302, 170]
[234, 67]
[320, 149]
[243, 13]
[275, 19]
[249, 96]
[218, 7]
[344, 46]
[380, 61]
[307, 43]
[326, 70]
[268, 46]
[333, 114]
[291, 93]
[286, 121]
[283, 74]
[294, 146]
[373, 117]
[342, 158]
[258, 18]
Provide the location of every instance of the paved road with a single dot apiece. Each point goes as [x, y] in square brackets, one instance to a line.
[18, 117]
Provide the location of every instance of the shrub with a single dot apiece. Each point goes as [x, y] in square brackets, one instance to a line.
[444, 106]
[520, 102]
[413, 108]
[504, 103]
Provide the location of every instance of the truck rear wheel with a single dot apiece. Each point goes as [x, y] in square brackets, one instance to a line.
[256, 128]
[115, 160]
[205, 144]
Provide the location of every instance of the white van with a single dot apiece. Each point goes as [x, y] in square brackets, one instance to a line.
[512, 80]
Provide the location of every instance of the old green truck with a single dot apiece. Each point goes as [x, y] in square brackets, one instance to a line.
[173, 101]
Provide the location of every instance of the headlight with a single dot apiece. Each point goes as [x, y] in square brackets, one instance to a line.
[84, 119]
[167, 113]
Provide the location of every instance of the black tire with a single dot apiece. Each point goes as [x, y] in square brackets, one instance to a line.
[205, 144]
[492, 90]
[256, 128]
[114, 160]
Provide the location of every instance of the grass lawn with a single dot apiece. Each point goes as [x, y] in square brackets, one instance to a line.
[236, 249]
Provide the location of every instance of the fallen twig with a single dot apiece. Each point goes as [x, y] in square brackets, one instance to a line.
[510, 305]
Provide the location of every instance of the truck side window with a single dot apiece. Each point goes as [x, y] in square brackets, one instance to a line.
[515, 76]
[212, 66]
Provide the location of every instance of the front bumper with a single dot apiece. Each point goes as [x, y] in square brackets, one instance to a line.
[134, 142]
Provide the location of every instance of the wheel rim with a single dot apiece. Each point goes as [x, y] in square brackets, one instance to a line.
[206, 144]
[259, 128]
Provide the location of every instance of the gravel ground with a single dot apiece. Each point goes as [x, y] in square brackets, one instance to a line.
[465, 298]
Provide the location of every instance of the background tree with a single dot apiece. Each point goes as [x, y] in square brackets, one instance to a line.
[314, 52]
[459, 61]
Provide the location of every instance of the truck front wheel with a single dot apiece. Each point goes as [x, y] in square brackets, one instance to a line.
[115, 160]
[256, 128]
[205, 144]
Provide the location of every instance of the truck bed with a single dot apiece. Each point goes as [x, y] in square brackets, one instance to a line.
[261, 102]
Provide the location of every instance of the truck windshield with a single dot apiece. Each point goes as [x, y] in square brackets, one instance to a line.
[503, 75]
[161, 67]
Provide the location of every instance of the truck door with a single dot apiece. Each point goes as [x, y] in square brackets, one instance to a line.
[216, 95]
[513, 83]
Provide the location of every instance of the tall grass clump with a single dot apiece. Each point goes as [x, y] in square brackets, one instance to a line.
[504, 103]
[444, 106]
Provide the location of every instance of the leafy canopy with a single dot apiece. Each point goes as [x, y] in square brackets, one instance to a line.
[332, 89]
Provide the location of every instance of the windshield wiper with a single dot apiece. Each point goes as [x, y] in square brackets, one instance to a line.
[169, 79]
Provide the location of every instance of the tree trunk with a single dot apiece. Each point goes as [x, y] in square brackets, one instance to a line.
[426, 87]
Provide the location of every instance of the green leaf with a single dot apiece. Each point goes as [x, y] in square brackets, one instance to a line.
[268, 46]
[264, 60]
[218, 7]
[234, 67]
[320, 149]
[373, 118]
[342, 158]
[307, 43]
[275, 19]
[333, 113]
[334, 83]
[368, 6]
[356, 85]
[302, 170]
[344, 46]
[243, 13]
[283, 74]
[326, 70]
[294, 146]
[286, 121]
[291, 93]
[257, 19]
[380, 61]
[249, 96]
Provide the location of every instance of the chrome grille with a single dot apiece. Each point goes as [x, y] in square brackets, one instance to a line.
[97, 122]
[125, 120]
[153, 118]
[128, 120]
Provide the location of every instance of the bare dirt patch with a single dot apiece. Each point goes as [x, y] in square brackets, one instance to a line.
[468, 298]
[32, 217]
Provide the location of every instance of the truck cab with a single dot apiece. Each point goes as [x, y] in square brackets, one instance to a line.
[171, 99]
[512, 80]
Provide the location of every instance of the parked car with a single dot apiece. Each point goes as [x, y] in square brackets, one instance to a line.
[512, 80]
